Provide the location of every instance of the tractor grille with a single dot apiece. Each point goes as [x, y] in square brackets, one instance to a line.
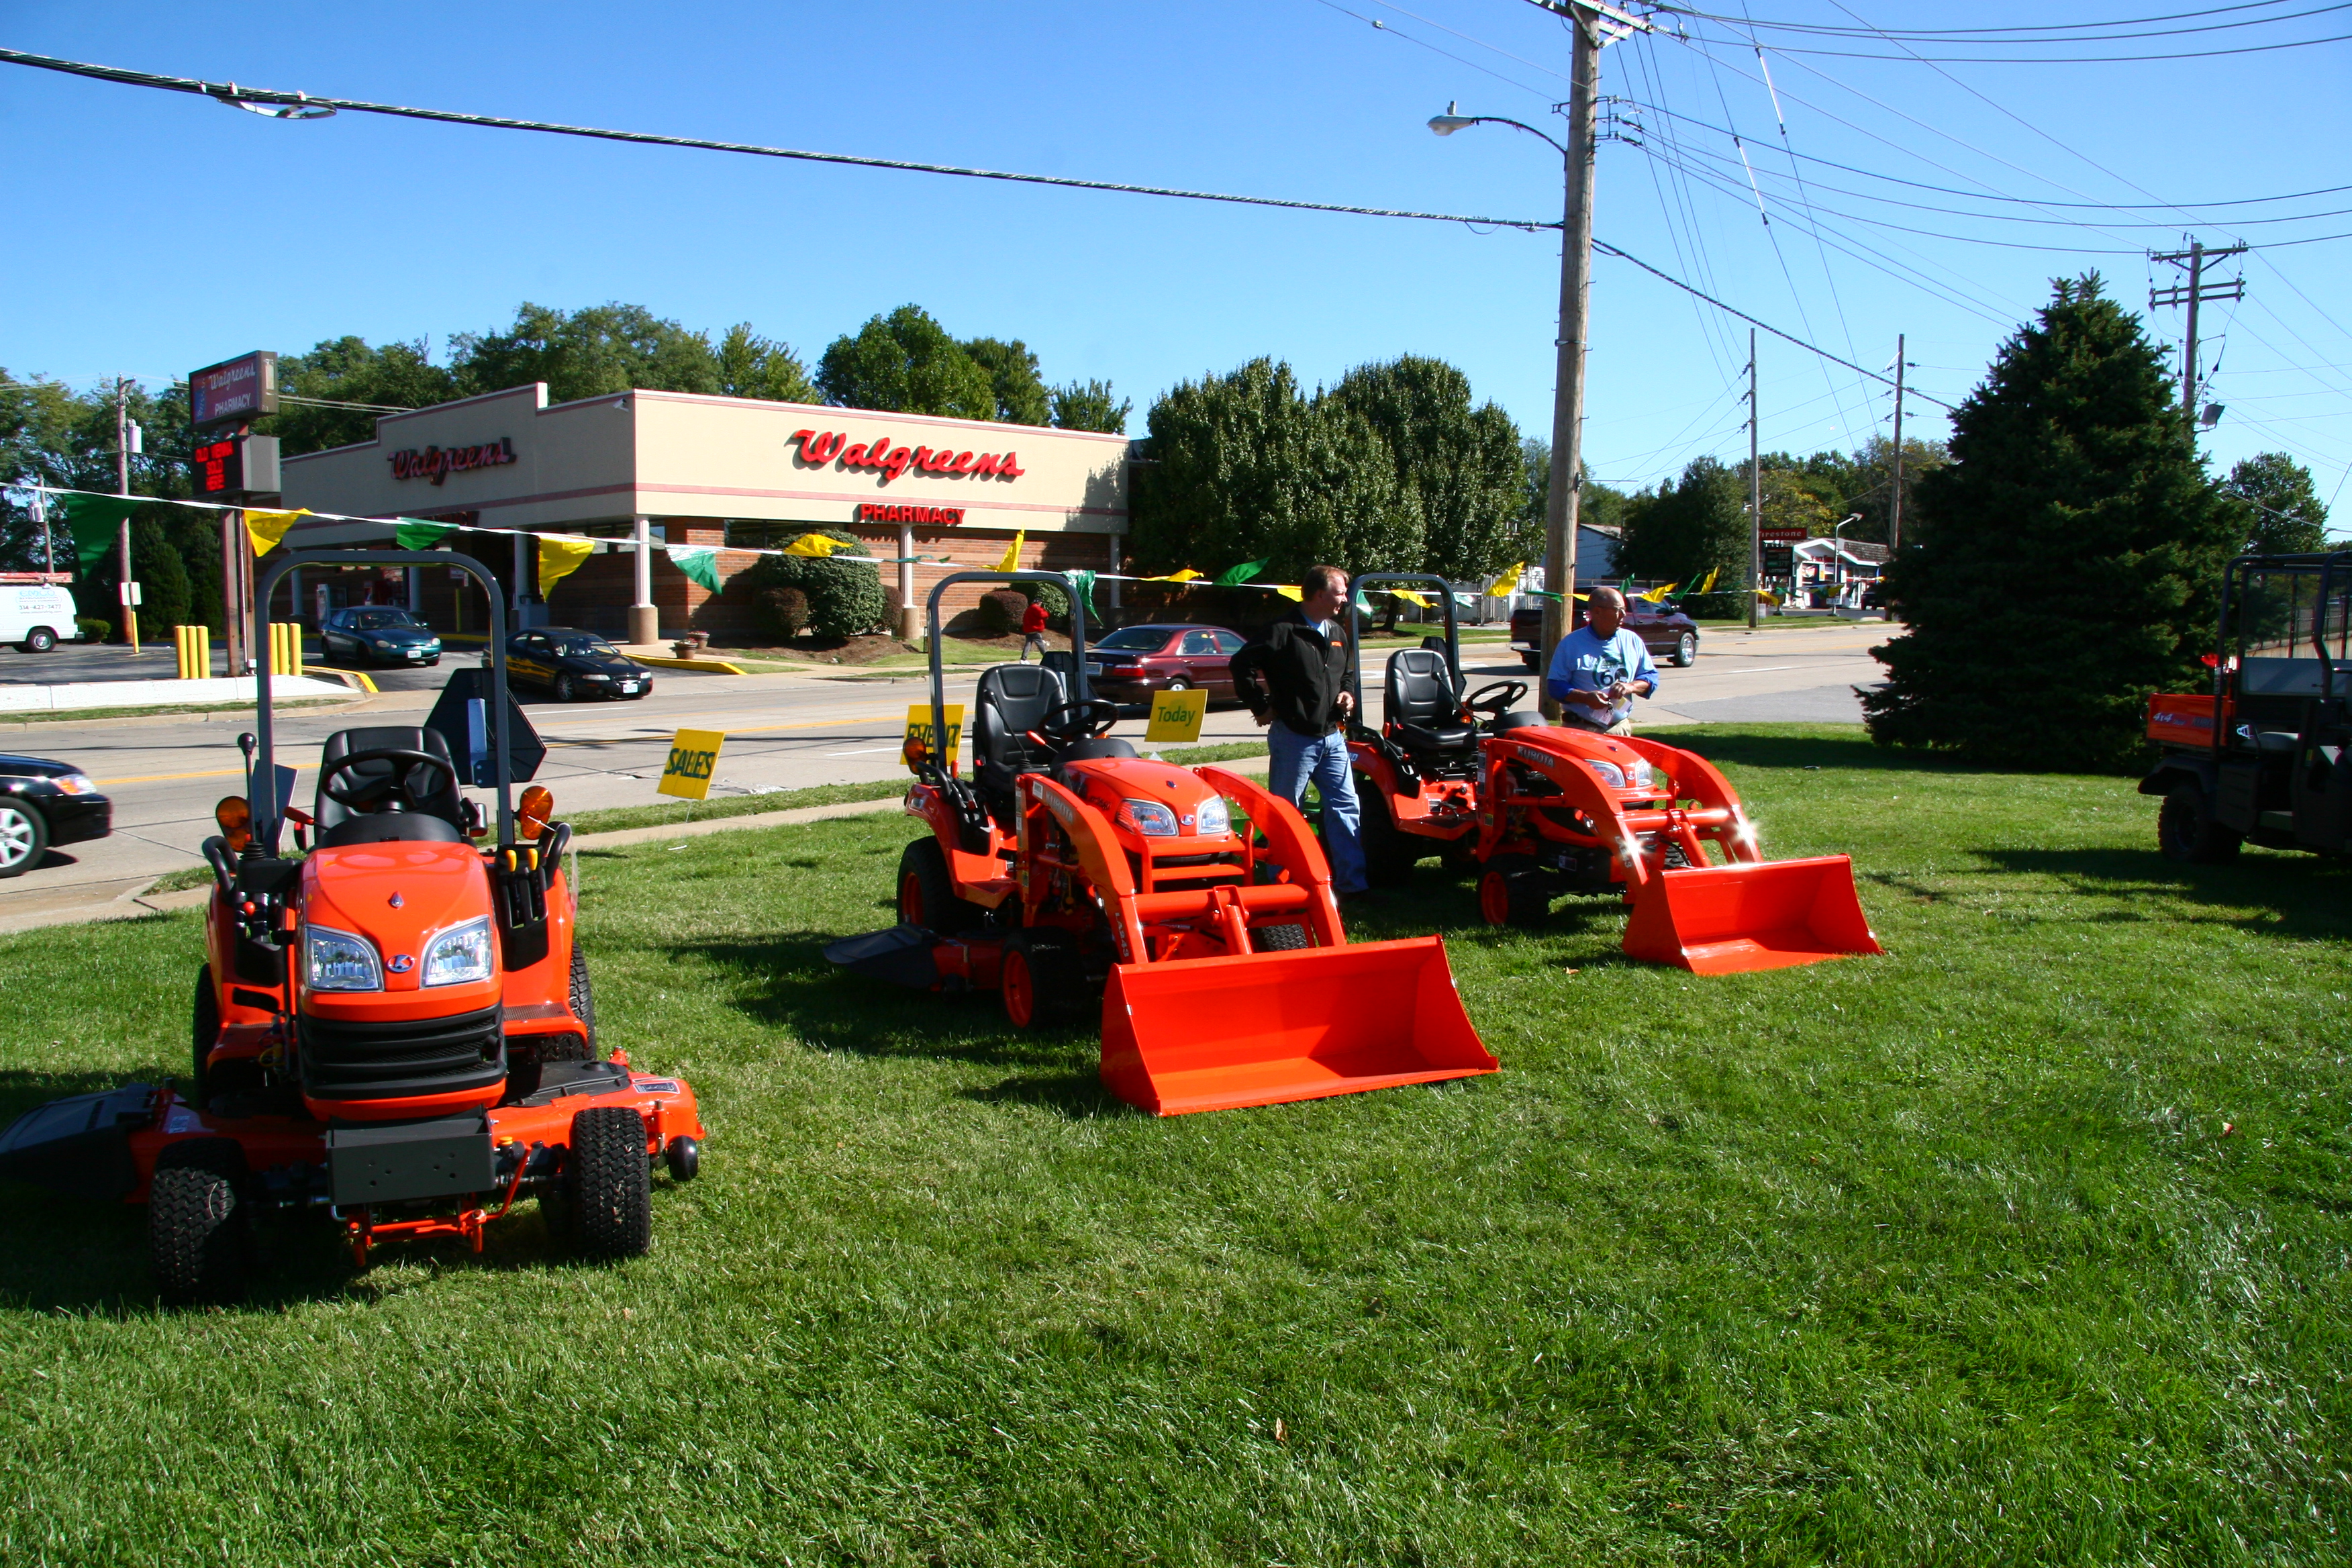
[411, 1057]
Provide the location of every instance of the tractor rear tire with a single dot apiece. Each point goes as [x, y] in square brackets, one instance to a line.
[2187, 833]
[609, 1184]
[927, 895]
[204, 1031]
[199, 1229]
[1513, 892]
[1287, 938]
[582, 997]
[1388, 851]
[1041, 979]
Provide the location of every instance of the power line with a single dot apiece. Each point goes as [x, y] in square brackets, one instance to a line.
[2048, 27]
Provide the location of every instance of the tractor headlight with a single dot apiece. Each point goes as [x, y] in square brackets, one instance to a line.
[459, 954]
[1150, 818]
[1211, 818]
[1611, 774]
[1642, 774]
[338, 961]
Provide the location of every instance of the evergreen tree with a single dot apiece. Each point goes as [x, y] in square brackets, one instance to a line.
[2068, 560]
[905, 363]
[844, 595]
[2284, 514]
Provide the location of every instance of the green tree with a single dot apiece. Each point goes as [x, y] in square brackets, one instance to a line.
[1087, 406]
[1244, 467]
[592, 353]
[1458, 464]
[1871, 488]
[2284, 514]
[749, 366]
[905, 363]
[2067, 563]
[1683, 530]
[844, 589]
[1021, 396]
[347, 370]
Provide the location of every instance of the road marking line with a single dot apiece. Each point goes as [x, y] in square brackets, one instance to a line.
[867, 751]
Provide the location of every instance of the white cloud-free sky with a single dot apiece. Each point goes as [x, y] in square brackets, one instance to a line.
[156, 232]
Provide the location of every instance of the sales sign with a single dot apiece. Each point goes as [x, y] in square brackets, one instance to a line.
[1176, 715]
[919, 730]
[693, 756]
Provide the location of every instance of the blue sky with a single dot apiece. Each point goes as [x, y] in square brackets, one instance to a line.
[157, 232]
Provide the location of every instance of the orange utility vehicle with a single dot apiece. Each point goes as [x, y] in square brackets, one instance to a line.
[2259, 759]
[1537, 810]
[393, 1023]
[1189, 906]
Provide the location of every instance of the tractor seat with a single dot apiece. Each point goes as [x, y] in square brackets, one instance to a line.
[2277, 742]
[1420, 705]
[435, 818]
[1012, 700]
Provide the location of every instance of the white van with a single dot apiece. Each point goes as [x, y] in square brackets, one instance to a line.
[38, 618]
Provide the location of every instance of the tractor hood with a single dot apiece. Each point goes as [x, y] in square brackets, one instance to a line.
[1109, 783]
[397, 897]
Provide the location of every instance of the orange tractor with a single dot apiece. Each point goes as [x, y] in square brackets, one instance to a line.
[393, 1023]
[1189, 906]
[1540, 810]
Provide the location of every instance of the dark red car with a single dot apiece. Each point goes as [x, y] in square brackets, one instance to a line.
[1665, 630]
[1131, 663]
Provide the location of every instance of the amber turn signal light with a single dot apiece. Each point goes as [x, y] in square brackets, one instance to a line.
[235, 819]
[915, 752]
[531, 816]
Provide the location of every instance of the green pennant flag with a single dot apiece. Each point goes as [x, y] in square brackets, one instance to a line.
[699, 561]
[413, 533]
[93, 519]
[1084, 582]
[1235, 577]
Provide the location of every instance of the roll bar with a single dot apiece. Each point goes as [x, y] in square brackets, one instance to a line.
[1444, 592]
[1079, 693]
[266, 820]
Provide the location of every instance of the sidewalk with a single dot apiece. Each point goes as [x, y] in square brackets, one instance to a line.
[73, 695]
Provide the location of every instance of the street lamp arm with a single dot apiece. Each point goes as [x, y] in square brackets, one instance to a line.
[1447, 124]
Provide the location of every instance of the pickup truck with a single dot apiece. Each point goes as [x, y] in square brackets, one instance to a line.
[1667, 633]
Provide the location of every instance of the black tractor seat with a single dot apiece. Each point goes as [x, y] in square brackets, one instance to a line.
[1012, 700]
[1422, 710]
[434, 813]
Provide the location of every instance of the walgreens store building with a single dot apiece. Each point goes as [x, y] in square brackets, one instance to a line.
[642, 470]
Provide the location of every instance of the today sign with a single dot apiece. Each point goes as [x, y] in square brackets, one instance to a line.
[693, 757]
[1177, 715]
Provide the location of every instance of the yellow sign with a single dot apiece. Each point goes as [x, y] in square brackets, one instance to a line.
[919, 728]
[1177, 715]
[693, 757]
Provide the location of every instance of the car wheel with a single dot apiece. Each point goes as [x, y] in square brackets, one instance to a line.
[431, 662]
[1177, 683]
[565, 690]
[1687, 650]
[24, 837]
[40, 640]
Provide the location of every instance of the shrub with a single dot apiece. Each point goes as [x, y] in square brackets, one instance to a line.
[1057, 602]
[1715, 606]
[1001, 610]
[783, 611]
[844, 590]
[92, 629]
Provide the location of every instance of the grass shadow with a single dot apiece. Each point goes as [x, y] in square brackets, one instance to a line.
[2298, 895]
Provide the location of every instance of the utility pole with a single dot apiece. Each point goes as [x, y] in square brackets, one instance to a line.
[122, 488]
[2194, 260]
[1895, 507]
[1755, 493]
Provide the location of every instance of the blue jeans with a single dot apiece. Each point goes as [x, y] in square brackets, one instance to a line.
[1297, 761]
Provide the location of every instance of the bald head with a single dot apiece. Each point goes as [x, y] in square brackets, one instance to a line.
[1606, 610]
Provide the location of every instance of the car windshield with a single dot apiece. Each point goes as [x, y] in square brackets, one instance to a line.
[585, 647]
[1143, 639]
[381, 620]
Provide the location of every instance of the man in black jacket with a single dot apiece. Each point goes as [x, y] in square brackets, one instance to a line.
[1295, 679]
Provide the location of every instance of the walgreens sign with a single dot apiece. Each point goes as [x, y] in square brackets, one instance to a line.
[438, 463]
[820, 447]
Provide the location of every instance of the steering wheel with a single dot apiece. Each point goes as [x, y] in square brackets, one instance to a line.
[375, 794]
[1088, 721]
[1494, 700]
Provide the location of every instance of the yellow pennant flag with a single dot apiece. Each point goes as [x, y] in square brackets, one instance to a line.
[1509, 582]
[815, 544]
[1708, 586]
[558, 558]
[1295, 595]
[1411, 597]
[1655, 595]
[1186, 575]
[1011, 561]
[267, 527]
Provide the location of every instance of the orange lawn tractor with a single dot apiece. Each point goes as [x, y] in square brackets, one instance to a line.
[1192, 907]
[392, 1024]
[1538, 810]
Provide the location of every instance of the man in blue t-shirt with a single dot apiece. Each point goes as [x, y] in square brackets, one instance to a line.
[1600, 668]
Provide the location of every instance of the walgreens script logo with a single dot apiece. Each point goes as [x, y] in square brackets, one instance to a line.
[438, 463]
[819, 448]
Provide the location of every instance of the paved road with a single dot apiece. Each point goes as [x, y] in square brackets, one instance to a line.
[783, 732]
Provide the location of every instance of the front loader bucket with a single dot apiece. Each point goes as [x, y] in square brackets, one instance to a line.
[1212, 1034]
[1730, 920]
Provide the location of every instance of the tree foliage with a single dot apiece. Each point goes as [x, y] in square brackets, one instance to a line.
[844, 590]
[347, 370]
[2067, 563]
[1683, 530]
[752, 366]
[2283, 512]
[1456, 464]
[1021, 395]
[906, 362]
[591, 353]
[1088, 405]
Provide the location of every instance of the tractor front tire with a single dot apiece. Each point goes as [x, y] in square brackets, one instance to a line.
[199, 1230]
[1040, 979]
[609, 1184]
[2186, 830]
[927, 895]
[1389, 852]
[1512, 892]
[1289, 937]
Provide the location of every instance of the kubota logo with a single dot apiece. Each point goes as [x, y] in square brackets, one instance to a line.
[402, 962]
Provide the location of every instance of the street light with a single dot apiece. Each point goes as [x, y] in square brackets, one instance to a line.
[1837, 547]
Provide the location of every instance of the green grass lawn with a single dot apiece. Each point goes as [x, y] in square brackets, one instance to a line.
[2025, 1242]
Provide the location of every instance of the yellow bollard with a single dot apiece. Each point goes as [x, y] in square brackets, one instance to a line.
[284, 647]
[193, 647]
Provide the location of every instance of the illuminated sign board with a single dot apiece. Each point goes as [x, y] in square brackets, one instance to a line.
[229, 467]
[438, 463]
[235, 391]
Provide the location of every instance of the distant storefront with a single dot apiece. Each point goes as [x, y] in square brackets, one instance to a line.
[648, 468]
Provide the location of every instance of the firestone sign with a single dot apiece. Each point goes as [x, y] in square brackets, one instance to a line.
[438, 463]
[820, 447]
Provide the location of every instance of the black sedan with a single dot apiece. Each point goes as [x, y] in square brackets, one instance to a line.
[378, 634]
[43, 802]
[573, 665]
